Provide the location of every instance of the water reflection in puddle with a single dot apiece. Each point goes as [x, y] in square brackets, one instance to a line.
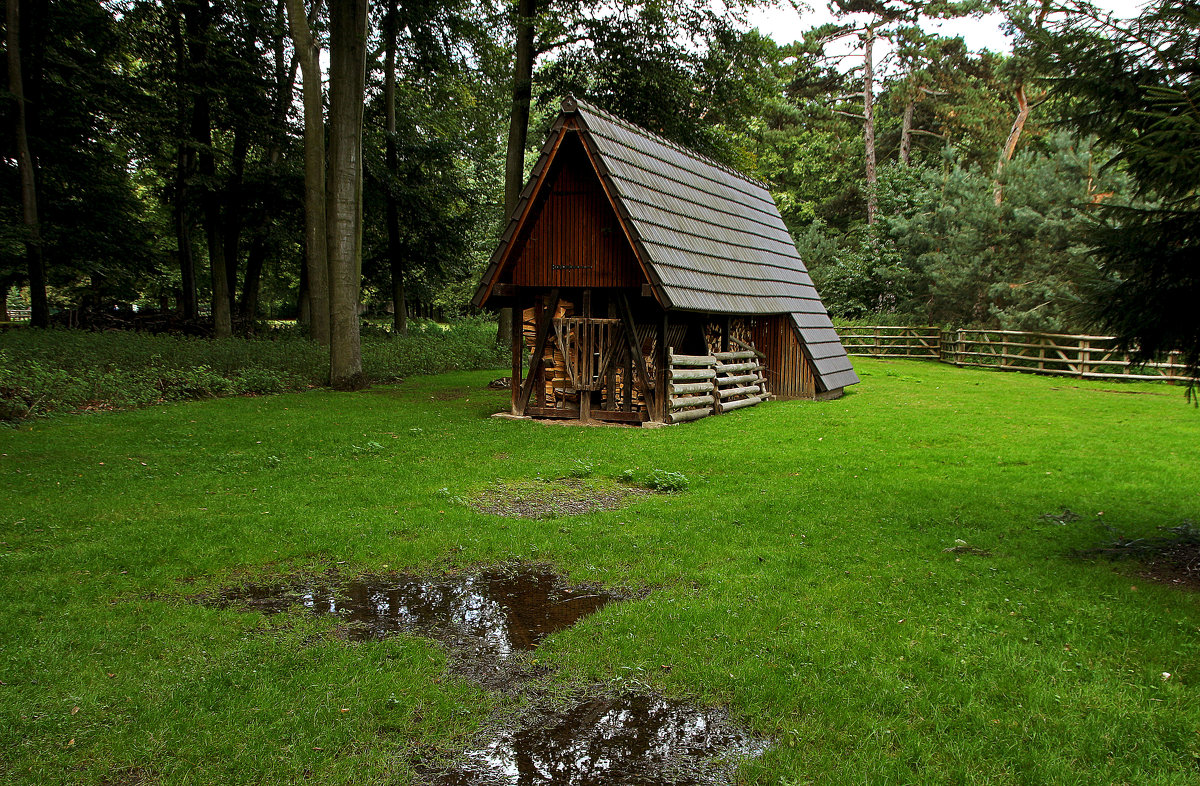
[626, 740]
[494, 613]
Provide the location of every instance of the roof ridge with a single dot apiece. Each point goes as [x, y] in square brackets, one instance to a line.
[571, 103]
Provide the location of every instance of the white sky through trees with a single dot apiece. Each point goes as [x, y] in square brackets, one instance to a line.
[786, 24]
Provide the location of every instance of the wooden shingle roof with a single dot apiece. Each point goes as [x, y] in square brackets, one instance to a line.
[710, 238]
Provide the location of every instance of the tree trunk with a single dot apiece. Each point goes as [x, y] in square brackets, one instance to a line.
[347, 77]
[233, 210]
[399, 306]
[188, 300]
[303, 303]
[1010, 145]
[869, 120]
[252, 284]
[185, 168]
[316, 260]
[906, 132]
[34, 262]
[199, 20]
[518, 130]
[261, 248]
[5, 283]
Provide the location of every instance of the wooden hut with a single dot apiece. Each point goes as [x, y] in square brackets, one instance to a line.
[649, 283]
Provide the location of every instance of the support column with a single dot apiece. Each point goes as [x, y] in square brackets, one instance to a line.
[662, 407]
[518, 339]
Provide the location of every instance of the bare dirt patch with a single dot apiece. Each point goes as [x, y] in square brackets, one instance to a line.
[1173, 559]
[129, 776]
[539, 499]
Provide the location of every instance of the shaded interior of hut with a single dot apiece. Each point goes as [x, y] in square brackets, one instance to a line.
[588, 368]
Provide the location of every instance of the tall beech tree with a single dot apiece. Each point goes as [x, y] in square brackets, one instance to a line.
[315, 295]
[35, 262]
[343, 211]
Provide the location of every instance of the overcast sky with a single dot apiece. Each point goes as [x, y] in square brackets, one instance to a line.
[784, 24]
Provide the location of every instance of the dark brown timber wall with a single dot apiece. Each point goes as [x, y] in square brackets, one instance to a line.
[789, 374]
[574, 238]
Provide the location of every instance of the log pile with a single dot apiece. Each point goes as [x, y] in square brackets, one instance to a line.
[703, 385]
[740, 380]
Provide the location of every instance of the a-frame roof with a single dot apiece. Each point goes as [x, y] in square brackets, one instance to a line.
[710, 238]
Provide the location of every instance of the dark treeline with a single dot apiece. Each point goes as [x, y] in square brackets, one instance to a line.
[219, 162]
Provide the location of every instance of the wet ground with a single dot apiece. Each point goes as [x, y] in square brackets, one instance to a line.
[634, 739]
[488, 622]
[492, 613]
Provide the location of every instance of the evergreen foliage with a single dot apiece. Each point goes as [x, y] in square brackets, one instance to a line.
[1136, 86]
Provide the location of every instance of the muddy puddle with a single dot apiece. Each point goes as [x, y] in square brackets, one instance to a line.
[627, 740]
[486, 620]
[488, 615]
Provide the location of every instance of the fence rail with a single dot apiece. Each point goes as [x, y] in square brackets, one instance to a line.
[1057, 354]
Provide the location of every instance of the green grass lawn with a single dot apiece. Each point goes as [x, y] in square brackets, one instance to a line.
[801, 580]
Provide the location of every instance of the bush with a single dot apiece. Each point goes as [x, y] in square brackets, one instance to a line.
[59, 370]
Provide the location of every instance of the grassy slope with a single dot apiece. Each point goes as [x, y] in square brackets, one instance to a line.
[801, 580]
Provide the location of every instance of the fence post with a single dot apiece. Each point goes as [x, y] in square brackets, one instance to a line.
[1085, 357]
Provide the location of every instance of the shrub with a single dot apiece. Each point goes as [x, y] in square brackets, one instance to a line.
[59, 370]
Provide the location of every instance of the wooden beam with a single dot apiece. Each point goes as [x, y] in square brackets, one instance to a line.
[635, 350]
[552, 412]
[518, 339]
[619, 417]
[661, 366]
[539, 349]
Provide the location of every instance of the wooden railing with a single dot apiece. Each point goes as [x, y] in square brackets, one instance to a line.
[1058, 354]
[886, 341]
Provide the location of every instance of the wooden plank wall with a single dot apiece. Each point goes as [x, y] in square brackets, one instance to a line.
[575, 238]
[789, 373]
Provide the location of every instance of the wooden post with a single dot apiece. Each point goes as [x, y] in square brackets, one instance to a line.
[627, 383]
[725, 334]
[518, 338]
[1085, 356]
[539, 350]
[539, 310]
[717, 388]
[635, 351]
[660, 370]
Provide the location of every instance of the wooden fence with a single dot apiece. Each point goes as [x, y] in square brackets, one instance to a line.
[703, 385]
[1058, 354]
